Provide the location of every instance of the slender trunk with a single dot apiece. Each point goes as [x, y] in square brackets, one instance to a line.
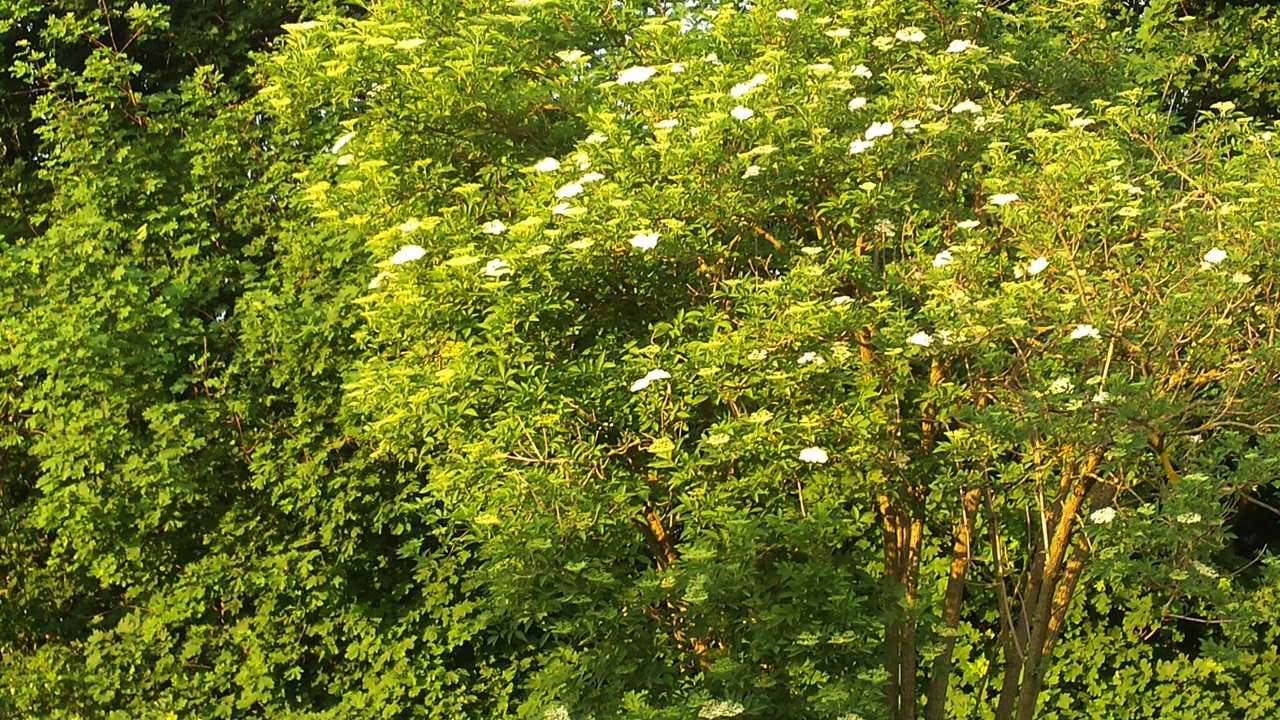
[910, 586]
[936, 702]
[890, 523]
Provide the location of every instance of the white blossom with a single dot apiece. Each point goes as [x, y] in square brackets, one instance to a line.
[910, 124]
[562, 209]
[745, 87]
[497, 267]
[569, 57]
[494, 227]
[1241, 278]
[1102, 516]
[1060, 386]
[821, 68]
[839, 300]
[1080, 122]
[751, 171]
[645, 241]
[788, 14]
[814, 455]
[717, 439]
[409, 225]
[720, 709]
[959, 46]
[810, 357]
[942, 259]
[1084, 331]
[408, 253]
[968, 106]
[1102, 397]
[1204, 570]
[1189, 518]
[910, 34]
[758, 354]
[1004, 198]
[1037, 266]
[590, 178]
[858, 146]
[666, 124]
[652, 375]
[857, 103]
[569, 190]
[596, 138]
[377, 279]
[342, 141]
[921, 338]
[862, 71]
[346, 159]
[878, 129]
[676, 68]
[742, 113]
[549, 164]
[1215, 256]
[839, 33]
[968, 224]
[636, 74]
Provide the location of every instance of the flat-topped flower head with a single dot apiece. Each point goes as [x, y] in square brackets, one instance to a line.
[858, 146]
[409, 225]
[968, 106]
[548, 164]
[959, 46]
[590, 178]
[596, 138]
[1102, 516]
[788, 14]
[569, 190]
[649, 377]
[497, 267]
[645, 241]
[1084, 331]
[810, 357]
[1004, 198]
[1037, 266]
[745, 87]
[408, 253]
[857, 103]
[968, 224]
[920, 339]
[1189, 518]
[742, 113]
[942, 259]
[636, 74]
[862, 71]
[342, 142]
[1215, 256]
[751, 171]
[878, 129]
[815, 455]
[494, 227]
[910, 34]
[1080, 122]
[666, 124]
[676, 68]
[839, 33]
[570, 57]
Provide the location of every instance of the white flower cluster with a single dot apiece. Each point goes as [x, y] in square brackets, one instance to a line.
[721, 709]
[652, 375]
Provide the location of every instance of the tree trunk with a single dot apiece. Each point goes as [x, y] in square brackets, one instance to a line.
[936, 702]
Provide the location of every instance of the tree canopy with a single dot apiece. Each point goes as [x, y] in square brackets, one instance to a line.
[581, 359]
